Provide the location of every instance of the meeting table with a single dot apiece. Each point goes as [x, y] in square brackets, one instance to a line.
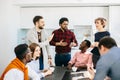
[62, 73]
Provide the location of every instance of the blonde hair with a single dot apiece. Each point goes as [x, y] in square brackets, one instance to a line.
[102, 20]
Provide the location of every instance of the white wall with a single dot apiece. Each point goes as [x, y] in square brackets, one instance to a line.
[65, 1]
[9, 21]
[76, 15]
[114, 18]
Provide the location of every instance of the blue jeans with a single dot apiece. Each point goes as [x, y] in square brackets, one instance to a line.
[41, 65]
[62, 59]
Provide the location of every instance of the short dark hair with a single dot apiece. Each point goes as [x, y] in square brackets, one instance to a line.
[37, 18]
[107, 42]
[88, 43]
[20, 51]
[63, 19]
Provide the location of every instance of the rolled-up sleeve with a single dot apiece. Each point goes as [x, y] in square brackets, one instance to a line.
[90, 63]
[53, 42]
[72, 61]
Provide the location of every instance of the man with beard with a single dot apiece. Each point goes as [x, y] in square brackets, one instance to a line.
[38, 35]
[17, 69]
[82, 59]
[63, 40]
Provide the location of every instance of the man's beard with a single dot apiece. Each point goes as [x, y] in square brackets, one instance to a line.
[29, 61]
[64, 29]
[81, 48]
[40, 27]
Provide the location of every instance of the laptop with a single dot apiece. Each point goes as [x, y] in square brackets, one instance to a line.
[77, 76]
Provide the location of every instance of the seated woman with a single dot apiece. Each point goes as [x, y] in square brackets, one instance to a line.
[33, 66]
[83, 58]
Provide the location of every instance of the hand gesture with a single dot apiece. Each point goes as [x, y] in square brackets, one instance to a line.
[91, 71]
[48, 72]
[73, 44]
[69, 66]
[50, 61]
[50, 37]
[61, 43]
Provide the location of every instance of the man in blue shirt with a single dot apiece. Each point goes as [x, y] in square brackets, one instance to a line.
[109, 63]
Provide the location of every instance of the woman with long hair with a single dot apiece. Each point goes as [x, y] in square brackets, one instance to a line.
[33, 66]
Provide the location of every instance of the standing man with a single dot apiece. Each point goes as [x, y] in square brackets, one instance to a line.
[109, 62]
[17, 70]
[38, 35]
[63, 40]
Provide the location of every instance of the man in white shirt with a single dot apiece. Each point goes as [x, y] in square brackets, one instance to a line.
[17, 69]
